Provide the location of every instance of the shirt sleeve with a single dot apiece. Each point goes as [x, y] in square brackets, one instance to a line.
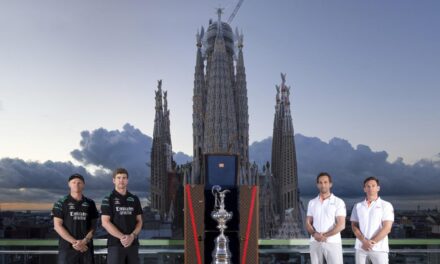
[388, 214]
[354, 216]
[341, 210]
[57, 210]
[105, 206]
[309, 209]
[93, 211]
[138, 207]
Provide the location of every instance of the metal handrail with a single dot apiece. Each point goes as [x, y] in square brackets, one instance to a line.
[96, 242]
[176, 246]
[178, 242]
[346, 242]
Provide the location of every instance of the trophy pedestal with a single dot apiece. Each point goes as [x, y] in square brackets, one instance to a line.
[221, 253]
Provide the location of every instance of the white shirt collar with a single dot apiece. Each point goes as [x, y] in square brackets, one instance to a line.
[378, 200]
[330, 198]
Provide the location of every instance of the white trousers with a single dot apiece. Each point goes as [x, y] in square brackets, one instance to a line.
[376, 257]
[331, 252]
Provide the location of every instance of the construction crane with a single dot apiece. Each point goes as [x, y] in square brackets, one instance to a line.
[231, 17]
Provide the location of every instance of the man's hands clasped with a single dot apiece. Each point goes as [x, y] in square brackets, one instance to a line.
[80, 245]
[319, 237]
[127, 240]
[367, 244]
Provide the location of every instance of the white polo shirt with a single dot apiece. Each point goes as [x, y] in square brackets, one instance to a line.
[324, 215]
[370, 220]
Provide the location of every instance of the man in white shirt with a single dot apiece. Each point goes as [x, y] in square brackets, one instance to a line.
[371, 221]
[325, 220]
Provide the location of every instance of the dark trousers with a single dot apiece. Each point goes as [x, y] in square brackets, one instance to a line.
[72, 256]
[122, 255]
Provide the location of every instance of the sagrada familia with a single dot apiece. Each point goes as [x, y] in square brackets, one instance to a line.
[221, 125]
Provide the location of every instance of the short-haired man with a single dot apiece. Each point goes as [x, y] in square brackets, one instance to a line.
[74, 219]
[325, 221]
[122, 218]
[371, 221]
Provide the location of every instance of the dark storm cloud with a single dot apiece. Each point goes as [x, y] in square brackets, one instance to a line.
[34, 181]
[26, 174]
[113, 148]
[110, 149]
[350, 166]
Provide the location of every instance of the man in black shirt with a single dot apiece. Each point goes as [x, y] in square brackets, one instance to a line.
[122, 218]
[74, 219]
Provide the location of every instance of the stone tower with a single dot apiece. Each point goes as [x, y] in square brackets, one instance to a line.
[220, 108]
[161, 154]
[284, 166]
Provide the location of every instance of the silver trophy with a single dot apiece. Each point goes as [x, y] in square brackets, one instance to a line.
[221, 253]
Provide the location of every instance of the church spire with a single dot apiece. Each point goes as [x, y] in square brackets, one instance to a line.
[161, 154]
[159, 110]
[198, 110]
[241, 106]
[158, 185]
[220, 118]
[219, 14]
[284, 164]
[166, 113]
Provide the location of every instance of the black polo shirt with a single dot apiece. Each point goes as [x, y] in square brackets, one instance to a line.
[123, 210]
[77, 217]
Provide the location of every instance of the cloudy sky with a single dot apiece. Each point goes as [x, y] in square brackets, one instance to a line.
[25, 181]
[362, 71]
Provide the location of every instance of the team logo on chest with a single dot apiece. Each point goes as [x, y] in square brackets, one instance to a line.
[122, 210]
[116, 200]
[79, 216]
[71, 206]
[130, 199]
[85, 204]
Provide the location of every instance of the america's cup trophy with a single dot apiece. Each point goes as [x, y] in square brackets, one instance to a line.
[221, 253]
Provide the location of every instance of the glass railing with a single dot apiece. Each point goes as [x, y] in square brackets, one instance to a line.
[14, 251]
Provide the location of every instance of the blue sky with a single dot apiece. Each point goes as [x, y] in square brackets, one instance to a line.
[365, 71]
